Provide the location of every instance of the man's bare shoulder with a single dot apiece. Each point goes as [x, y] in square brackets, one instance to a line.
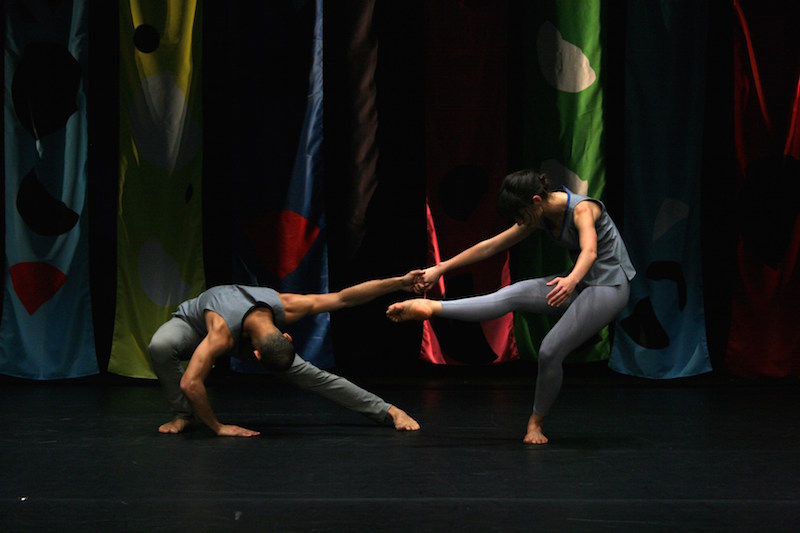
[297, 306]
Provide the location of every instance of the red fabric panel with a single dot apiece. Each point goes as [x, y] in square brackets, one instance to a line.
[281, 240]
[466, 142]
[764, 338]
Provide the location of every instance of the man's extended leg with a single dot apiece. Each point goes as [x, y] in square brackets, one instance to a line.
[343, 392]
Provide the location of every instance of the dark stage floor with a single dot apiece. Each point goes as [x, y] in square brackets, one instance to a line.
[625, 455]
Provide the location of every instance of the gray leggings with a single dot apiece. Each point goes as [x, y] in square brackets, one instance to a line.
[175, 341]
[587, 311]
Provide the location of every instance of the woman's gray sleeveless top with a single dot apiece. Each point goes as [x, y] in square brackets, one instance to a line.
[613, 265]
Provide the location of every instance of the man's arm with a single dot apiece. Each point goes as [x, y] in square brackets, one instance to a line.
[217, 342]
[298, 306]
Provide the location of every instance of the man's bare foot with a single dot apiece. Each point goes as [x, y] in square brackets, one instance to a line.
[176, 425]
[402, 422]
[416, 309]
[534, 434]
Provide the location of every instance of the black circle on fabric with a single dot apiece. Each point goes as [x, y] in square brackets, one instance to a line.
[45, 87]
[42, 213]
[146, 38]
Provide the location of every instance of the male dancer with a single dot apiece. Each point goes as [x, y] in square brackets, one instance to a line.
[249, 323]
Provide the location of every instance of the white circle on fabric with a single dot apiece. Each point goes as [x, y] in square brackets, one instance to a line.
[166, 136]
[671, 212]
[160, 276]
[563, 65]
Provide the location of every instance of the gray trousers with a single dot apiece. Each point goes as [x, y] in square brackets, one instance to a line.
[587, 311]
[175, 341]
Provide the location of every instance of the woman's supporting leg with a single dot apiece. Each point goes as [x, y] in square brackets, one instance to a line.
[594, 308]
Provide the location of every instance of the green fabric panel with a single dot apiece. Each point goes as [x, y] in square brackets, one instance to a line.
[562, 135]
[159, 224]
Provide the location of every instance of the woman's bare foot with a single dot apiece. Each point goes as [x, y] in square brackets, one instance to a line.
[176, 425]
[402, 422]
[534, 434]
[415, 309]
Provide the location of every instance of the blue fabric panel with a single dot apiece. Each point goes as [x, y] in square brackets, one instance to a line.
[284, 245]
[46, 330]
[661, 334]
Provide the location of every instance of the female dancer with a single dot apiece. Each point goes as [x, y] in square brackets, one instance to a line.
[587, 298]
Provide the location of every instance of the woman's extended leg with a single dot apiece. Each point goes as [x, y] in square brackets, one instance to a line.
[528, 295]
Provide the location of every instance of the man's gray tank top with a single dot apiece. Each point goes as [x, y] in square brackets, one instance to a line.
[233, 303]
[613, 265]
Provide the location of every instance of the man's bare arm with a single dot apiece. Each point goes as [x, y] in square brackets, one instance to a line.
[298, 306]
[217, 343]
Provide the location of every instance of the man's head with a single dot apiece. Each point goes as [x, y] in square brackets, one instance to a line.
[274, 350]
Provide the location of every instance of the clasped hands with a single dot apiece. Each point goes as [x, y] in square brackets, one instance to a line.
[421, 281]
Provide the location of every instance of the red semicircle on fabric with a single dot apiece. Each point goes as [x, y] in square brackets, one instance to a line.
[281, 239]
[35, 283]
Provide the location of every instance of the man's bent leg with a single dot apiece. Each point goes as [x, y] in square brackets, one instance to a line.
[172, 343]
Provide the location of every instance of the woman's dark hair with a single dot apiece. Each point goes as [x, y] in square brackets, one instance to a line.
[518, 190]
[277, 353]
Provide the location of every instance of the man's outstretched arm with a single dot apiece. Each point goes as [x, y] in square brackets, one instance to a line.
[298, 306]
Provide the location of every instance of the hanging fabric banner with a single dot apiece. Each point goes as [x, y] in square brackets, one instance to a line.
[279, 228]
[661, 333]
[764, 339]
[465, 137]
[159, 230]
[46, 328]
[353, 52]
[562, 135]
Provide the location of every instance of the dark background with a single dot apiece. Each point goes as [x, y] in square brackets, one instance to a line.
[395, 236]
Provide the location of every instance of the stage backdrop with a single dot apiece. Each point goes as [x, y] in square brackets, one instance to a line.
[764, 337]
[46, 328]
[375, 172]
[563, 135]
[279, 234]
[661, 334]
[466, 102]
[159, 230]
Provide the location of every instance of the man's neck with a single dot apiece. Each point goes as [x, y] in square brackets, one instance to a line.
[257, 323]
